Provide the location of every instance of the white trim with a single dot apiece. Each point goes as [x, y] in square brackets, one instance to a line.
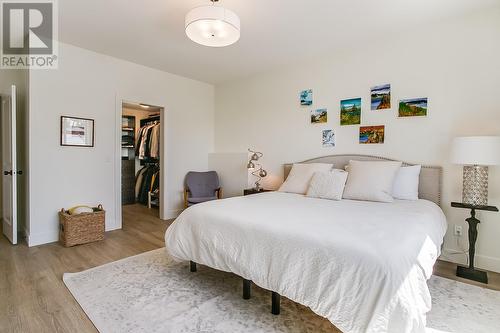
[53, 236]
[42, 238]
[481, 261]
[172, 214]
[27, 167]
[117, 160]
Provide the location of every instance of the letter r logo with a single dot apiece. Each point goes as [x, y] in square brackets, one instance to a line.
[27, 27]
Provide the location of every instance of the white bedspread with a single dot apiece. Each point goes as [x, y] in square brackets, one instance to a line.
[363, 265]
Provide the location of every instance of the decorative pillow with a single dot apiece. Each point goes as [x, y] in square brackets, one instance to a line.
[80, 209]
[300, 176]
[406, 183]
[327, 185]
[371, 180]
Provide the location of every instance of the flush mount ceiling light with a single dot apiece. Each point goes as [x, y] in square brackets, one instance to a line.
[213, 26]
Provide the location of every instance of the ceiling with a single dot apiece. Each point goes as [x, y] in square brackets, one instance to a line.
[273, 32]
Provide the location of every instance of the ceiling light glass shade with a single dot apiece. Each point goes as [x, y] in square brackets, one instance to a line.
[213, 26]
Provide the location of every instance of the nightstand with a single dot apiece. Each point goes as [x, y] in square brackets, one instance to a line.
[470, 272]
[249, 191]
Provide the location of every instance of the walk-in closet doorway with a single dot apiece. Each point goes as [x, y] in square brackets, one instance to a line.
[140, 168]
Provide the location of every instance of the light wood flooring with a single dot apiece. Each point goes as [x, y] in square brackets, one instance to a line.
[33, 297]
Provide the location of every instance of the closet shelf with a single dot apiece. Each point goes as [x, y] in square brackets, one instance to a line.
[128, 129]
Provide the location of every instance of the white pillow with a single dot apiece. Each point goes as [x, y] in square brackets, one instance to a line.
[406, 183]
[327, 185]
[371, 180]
[300, 176]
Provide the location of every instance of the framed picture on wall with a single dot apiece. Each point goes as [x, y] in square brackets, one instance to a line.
[372, 134]
[77, 132]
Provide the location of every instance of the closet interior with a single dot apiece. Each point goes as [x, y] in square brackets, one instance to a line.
[140, 143]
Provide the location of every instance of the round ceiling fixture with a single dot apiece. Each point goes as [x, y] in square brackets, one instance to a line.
[213, 26]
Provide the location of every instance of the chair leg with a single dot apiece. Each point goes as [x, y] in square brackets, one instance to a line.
[275, 307]
[246, 289]
[192, 266]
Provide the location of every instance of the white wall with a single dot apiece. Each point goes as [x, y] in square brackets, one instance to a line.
[232, 171]
[456, 64]
[92, 85]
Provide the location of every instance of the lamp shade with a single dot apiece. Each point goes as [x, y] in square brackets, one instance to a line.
[212, 26]
[476, 150]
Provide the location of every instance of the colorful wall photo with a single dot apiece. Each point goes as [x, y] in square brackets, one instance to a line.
[371, 134]
[350, 111]
[328, 138]
[319, 116]
[381, 97]
[413, 107]
[306, 97]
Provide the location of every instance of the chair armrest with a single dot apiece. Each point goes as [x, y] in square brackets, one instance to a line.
[186, 194]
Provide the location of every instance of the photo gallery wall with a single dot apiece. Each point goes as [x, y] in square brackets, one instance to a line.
[350, 113]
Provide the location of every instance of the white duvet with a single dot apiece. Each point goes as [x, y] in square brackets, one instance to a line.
[363, 265]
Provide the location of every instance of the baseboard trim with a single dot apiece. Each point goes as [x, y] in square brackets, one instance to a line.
[42, 238]
[481, 261]
[171, 214]
[53, 236]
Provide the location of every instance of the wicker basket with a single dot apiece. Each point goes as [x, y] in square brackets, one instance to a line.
[81, 228]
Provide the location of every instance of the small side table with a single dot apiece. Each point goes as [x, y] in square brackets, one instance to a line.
[470, 272]
[249, 191]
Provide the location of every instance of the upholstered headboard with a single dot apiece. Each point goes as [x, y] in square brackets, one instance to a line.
[430, 176]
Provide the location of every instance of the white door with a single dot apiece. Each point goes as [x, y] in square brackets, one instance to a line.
[9, 167]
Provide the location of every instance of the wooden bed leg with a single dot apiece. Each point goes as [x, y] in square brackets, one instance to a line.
[192, 266]
[246, 288]
[275, 307]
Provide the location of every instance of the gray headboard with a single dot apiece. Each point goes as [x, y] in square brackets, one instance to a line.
[430, 176]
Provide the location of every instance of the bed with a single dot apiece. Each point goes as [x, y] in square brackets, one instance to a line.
[362, 265]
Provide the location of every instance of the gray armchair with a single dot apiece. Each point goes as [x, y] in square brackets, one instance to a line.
[201, 187]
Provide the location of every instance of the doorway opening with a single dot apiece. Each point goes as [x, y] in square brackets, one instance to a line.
[141, 148]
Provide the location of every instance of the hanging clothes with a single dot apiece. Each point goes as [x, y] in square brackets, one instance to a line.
[155, 142]
[138, 181]
[148, 142]
[148, 180]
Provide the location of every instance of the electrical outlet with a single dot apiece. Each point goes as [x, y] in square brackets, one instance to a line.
[458, 230]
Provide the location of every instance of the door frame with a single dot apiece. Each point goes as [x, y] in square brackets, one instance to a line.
[11, 99]
[118, 158]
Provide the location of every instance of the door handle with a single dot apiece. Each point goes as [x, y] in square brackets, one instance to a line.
[19, 172]
[8, 173]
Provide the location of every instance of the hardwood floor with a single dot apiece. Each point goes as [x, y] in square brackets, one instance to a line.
[447, 269]
[33, 297]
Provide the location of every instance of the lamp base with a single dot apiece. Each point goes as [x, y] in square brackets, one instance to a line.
[472, 274]
[475, 185]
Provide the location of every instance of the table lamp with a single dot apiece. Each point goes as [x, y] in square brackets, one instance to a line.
[256, 168]
[476, 153]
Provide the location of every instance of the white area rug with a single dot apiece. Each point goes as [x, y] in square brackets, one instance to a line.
[151, 293]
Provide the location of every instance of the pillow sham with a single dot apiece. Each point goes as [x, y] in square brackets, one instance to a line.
[371, 180]
[327, 185]
[300, 176]
[406, 183]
